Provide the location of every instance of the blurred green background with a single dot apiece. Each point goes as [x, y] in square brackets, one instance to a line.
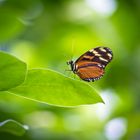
[41, 33]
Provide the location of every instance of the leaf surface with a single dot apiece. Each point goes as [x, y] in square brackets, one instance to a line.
[13, 127]
[53, 88]
[12, 71]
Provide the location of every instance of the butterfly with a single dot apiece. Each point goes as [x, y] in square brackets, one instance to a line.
[91, 65]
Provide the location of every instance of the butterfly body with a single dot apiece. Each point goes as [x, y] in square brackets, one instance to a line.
[90, 66]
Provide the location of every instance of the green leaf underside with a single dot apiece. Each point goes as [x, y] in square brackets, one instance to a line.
[12, 71]
[13, 127]
[53, 88]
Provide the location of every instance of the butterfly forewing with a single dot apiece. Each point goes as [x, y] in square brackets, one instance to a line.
[100, 55]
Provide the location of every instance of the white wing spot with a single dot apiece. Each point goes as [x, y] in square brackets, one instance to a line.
[102, 49]
[103, 59]
[91, 50]
[95, 52]
[110, 56]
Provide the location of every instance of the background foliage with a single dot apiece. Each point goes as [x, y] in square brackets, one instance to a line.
[41, 33]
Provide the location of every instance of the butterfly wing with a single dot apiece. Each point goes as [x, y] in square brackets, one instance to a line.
[90, 72]
[90, 66]
[100, 55]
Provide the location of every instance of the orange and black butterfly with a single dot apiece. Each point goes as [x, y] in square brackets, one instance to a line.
[91, 65]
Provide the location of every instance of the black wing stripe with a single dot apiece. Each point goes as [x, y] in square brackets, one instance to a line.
[89, 53]
[99, 60]
[89, 65]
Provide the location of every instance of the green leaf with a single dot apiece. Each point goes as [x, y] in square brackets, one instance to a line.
[12, 71]
[53, 88]
[13, 127]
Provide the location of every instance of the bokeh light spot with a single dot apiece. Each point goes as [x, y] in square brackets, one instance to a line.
[116, 128]
[103, 7]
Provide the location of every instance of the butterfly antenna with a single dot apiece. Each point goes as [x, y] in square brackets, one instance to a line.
[72, 48]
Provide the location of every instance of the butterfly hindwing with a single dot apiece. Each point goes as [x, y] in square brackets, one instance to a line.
[90, 72]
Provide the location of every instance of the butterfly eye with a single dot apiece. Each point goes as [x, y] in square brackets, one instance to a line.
[69, 62]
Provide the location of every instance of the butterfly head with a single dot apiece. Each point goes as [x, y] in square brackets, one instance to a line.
[72, 65]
